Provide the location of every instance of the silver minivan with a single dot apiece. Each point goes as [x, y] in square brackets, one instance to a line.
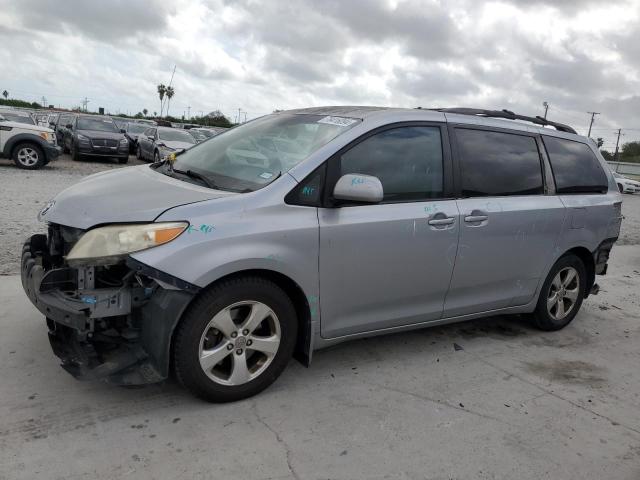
[306, 228]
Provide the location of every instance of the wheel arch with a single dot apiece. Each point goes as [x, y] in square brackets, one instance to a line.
[586, 256]
[22, 138]
[292, 289]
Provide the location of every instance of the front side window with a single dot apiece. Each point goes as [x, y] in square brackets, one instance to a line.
[96, 124]
[254, 154]
[408, 161]
[575, 168]
[498, 164]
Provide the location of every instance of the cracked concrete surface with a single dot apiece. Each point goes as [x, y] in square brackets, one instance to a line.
[510, 403]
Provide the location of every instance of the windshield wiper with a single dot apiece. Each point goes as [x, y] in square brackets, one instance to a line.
[196, 175]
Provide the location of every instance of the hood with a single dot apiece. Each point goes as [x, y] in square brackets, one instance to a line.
[100, 134]
[132, 194]
[26, 126]
[177, 145]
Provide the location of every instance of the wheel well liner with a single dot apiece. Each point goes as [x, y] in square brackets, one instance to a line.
[589, 264]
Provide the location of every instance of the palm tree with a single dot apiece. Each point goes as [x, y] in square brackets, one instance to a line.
[5, 94]
[161, 91]
[170, 93]
[145, 111]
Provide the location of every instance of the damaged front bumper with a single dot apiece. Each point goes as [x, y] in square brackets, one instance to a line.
[113, 323]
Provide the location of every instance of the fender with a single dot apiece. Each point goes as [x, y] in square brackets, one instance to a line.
[23, 137]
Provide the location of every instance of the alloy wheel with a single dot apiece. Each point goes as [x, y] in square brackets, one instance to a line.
[28, 156]
[563, 293]
[239, 343]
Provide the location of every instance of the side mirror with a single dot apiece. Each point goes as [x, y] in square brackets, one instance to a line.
[151, 137]
[69, 126]
[358, 188]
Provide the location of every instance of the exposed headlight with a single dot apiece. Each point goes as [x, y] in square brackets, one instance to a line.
[124, 141]
[107, 245]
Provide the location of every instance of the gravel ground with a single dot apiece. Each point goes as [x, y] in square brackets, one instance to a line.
[23, 193]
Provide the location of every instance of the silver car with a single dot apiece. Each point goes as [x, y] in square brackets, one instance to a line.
[306, 228]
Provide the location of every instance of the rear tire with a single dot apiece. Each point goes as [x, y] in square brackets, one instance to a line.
[28, 156]
[561, 294]
[217, 328]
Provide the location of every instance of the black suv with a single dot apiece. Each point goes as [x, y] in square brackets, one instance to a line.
[90, 135]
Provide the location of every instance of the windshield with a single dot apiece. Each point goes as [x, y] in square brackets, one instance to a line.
[172, 135]
[99, 124]
[252, 155]
[13, 117]
[199, 136]
[136, 127]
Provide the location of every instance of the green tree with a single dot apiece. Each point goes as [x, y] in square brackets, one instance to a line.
[630, 149]
[145, 111]
[600, 142]
[161, 92]
[608, 156]
[5, 94]
[170, 92]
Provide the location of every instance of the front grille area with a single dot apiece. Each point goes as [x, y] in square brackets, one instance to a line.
[104, 142]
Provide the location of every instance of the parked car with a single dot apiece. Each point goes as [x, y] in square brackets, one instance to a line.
[64, 119]
[156, 143]
[95, 136]
[18, 116]
[132, 131]
[625, 184]
[197, 135]
[209, 131]
[29, 145]
[225, 261]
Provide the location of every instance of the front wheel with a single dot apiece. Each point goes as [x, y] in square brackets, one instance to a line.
[156, 157]
[562, 294]
[235, 339]
[621, 188]
[28, 156]
[123, 160]
[138, 153]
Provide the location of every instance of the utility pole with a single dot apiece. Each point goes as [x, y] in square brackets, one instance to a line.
[546, 108]
[238, 120]
[84, 103]
[593, 114]
[245, 117]
[615, 155]
[44, 102]
[188, 112]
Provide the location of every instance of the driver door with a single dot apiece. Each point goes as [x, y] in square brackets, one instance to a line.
[389, 264]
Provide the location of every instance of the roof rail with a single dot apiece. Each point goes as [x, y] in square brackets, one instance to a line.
[509, 115]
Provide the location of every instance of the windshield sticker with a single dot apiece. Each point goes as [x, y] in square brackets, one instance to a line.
[266, 175]
[307, 191]
[339, 121]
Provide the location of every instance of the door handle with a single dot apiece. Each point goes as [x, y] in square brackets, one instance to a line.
[475, 218]
[442, 221]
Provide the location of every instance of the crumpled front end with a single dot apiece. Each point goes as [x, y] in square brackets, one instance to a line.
[110, 322]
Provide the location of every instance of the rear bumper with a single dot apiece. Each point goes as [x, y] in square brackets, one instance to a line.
[121, 335]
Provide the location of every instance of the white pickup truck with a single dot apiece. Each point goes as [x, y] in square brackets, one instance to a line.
[29, 145]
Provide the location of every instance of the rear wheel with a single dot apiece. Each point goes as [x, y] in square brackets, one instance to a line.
[28, 156]
[235, 339]
[562, 294]
[138, 153]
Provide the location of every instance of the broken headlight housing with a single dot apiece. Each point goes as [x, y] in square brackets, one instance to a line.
[110, 244]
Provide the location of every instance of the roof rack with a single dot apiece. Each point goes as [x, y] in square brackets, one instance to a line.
[509, 115]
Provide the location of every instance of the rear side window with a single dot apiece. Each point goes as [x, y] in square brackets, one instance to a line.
[575, 168]
[498, 164]
[406, 160]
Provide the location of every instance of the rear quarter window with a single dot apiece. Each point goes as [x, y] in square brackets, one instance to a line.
[575, 167]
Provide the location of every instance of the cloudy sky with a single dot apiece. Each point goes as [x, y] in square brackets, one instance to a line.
[578, 55]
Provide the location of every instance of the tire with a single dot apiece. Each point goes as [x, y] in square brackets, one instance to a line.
[123, 160]
[156, 157]
[621, 188]
[549, 314]
[240, 371]
[138, 153]
[75, 155]
[28, 156]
